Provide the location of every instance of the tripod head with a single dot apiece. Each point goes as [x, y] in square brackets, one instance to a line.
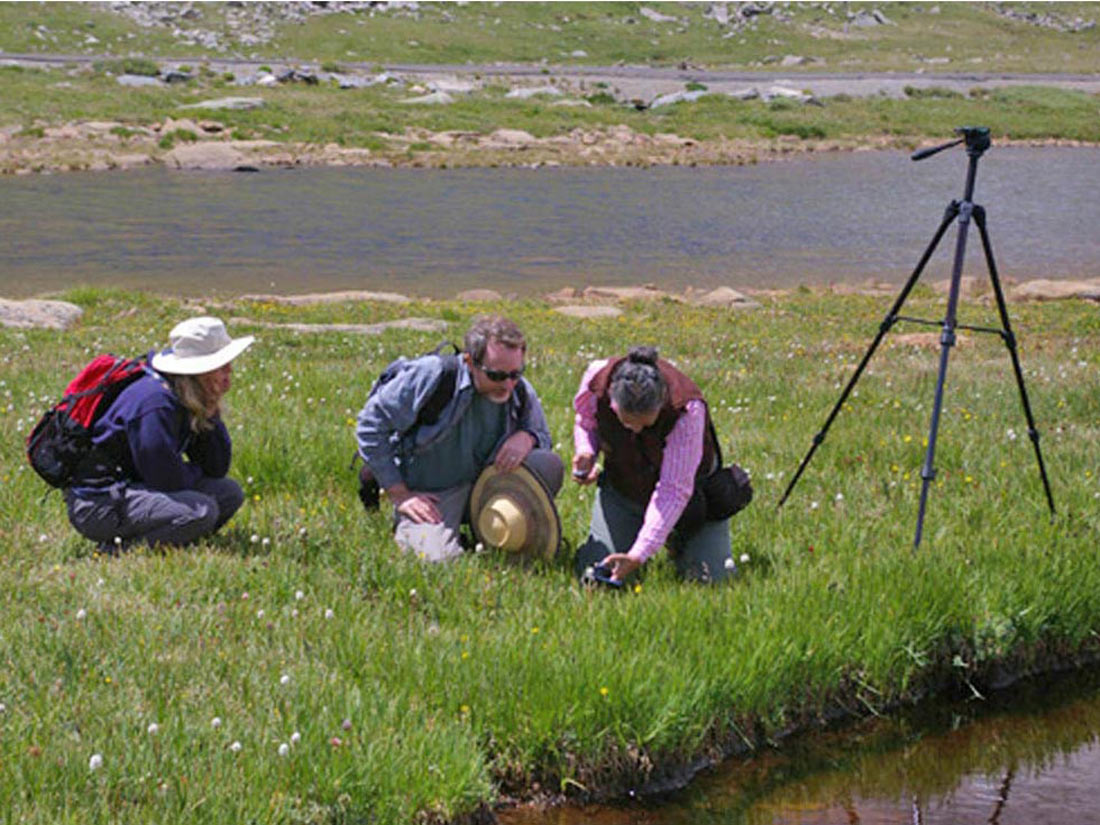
[976, 139]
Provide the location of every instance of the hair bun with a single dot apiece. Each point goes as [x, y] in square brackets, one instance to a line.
[643, 355]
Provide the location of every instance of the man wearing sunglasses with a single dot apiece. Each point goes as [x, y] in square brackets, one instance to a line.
[427, 469]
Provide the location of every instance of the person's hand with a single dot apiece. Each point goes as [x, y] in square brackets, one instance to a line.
[419, 508]
[621, 565]
[584, 468]
[514, 449]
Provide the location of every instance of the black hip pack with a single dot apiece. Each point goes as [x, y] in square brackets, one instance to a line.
[718, 496]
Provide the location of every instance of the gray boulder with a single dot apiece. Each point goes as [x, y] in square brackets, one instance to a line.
[39, 314]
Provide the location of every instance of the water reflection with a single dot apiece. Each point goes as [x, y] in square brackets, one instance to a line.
[842, 217]
[1029, 756]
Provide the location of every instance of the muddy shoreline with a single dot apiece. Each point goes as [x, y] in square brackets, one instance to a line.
[100, 146]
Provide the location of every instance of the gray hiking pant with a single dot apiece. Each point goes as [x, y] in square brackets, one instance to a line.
[133, 513]
[616, 520]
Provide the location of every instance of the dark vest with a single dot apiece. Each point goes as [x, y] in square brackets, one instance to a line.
[632, 461]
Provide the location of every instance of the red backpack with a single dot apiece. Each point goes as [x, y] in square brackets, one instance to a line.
[63, 435]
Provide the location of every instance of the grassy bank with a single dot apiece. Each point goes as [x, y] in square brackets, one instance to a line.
[56, 120]
[836, 36]
[403, 691]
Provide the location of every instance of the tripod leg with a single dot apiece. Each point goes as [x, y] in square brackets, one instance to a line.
[890, 319]
[947, 340]
[1010, 341]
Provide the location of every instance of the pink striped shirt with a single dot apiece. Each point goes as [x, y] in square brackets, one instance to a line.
[682, 454]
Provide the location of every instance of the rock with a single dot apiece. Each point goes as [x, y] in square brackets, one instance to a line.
[584, 104]
[434, 99]
[648, 292]
[787, 94]
[656, 16]
[512, 137]
[565, 294]
[744, 94]
[1048, 290]
[329, 298]
[578, 53]
[452, 85]
[212, 156]
[587, 311]
[479, 295]
[677, 97]
[137, 80]
[184, 124]
[39, 314]
[869, 287]
[794, 60]
[418, 324]
[227, 103]
[534, 91]
[724, 296]
[718, 12]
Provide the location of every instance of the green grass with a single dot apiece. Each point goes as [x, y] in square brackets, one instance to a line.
[972, 36]
[447, 684]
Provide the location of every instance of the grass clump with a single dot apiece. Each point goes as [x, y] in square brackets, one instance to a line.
[404, 691]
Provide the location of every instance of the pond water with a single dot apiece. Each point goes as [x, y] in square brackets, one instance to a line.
[1029, 756]
[813, 219]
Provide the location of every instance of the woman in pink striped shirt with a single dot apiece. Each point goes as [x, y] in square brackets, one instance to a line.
[652, 425]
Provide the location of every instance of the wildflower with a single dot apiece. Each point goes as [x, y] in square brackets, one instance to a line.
[604, 691]
[479, 547]
[284, 749]
[638, 588]
[254, 538]
[744, 558]
[412, 593]
[266, 542]
[295, 738]
[299, 595]
[294, 613]
[534, 630]
[81, 614]
[346, 724]
[152, 729]
[96, 762]
[284, 679]
[216, 722]
[3, 708]
[840, 496]
[329, 614]
[335, 742]
[42, 538]
[813, 505]
[730, 564]
[302, 532]
[244, 596]
[235, 747]
[260, 613]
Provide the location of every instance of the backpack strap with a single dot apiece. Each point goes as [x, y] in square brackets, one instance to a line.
[444, 389]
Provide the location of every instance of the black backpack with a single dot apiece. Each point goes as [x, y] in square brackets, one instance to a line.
[369, 492]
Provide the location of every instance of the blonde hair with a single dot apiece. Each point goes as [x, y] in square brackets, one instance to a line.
[191, 394]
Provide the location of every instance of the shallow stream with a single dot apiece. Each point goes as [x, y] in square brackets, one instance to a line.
[1028, 756]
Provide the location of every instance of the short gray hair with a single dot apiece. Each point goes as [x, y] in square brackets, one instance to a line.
[488, 328]
[637, 386]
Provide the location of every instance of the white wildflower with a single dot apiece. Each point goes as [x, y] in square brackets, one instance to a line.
[329, 613]
[295, 738]
[284, 679]
[744, 558]
[284, 749]
[152, 729]
[235, 747]
[216, 722]
[96, 762]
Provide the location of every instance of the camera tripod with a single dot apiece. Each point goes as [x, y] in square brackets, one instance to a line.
[977, 141]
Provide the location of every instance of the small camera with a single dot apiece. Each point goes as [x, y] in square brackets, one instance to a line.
[600, 576]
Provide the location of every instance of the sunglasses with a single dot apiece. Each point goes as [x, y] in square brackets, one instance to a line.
[500, 376]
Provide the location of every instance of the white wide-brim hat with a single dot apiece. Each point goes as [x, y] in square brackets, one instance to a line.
[514, 511]
[199, 345]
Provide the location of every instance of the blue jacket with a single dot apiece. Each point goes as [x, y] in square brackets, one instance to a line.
[385, 430]
[145, 434]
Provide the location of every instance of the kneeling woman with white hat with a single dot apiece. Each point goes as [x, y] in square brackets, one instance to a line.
[662, 481]
[136, 485]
